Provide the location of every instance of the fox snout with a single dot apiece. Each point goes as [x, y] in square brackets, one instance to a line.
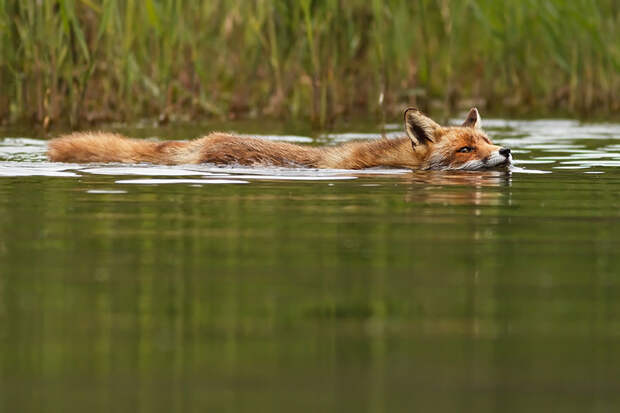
[506, 154]
[498, 158]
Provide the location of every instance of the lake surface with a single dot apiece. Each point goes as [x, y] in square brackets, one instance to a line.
[201, 288]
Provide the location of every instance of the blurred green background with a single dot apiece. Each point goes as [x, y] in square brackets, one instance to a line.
[101, 60]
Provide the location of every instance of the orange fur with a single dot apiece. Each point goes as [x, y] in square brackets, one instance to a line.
[427, 146]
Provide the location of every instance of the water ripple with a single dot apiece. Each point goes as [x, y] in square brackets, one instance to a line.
[548, 144]
[180, 181]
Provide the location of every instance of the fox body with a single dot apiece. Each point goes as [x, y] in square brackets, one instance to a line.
[426, 146]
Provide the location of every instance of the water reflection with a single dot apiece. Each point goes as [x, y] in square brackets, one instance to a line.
[306, 291]
[459, 187]
[462, 178]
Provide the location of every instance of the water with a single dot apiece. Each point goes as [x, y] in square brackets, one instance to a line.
[202, 288]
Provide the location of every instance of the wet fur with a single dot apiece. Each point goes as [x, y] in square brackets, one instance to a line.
[427, 146]
[220, 148]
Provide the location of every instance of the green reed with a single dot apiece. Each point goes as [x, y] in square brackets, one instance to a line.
[100, 60]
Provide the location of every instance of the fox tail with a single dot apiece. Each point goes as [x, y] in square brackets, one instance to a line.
[88, 147]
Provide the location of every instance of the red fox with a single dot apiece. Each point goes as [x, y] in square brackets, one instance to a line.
[426, 146]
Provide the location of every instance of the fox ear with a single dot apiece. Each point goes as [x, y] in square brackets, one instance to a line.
[420, 128]
[473, 119]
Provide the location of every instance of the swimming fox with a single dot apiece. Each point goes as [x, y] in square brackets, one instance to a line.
[426, 146]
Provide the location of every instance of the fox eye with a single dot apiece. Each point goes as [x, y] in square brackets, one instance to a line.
[465, 149]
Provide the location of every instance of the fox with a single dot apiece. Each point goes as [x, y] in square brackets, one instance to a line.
[426, 146]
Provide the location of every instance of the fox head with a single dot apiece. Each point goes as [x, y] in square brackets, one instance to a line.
[464, 147]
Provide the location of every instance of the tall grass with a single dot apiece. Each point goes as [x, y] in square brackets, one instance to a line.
[91, 60]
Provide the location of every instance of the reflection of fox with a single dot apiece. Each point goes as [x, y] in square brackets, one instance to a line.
[427, 146]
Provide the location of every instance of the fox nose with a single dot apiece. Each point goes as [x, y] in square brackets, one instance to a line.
[505, 152]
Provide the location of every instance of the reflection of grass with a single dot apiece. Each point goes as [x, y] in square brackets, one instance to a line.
[100, 59]
[360, 310]
[357, 310]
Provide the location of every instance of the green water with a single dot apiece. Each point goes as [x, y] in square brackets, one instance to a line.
[380, 292]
